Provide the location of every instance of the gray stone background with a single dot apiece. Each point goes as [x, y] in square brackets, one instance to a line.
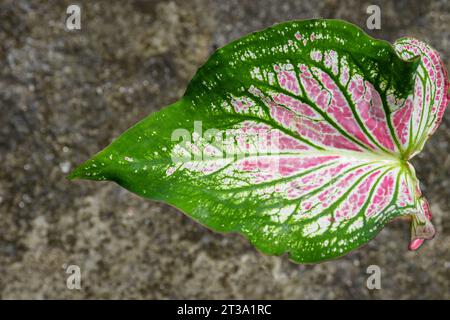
[66, 95]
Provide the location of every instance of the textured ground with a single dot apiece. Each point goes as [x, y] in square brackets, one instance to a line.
[66, 95]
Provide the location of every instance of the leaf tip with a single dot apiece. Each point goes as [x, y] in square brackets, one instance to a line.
[89, 170]
[77, 173]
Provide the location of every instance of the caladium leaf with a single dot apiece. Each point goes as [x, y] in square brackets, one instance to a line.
[297, 136]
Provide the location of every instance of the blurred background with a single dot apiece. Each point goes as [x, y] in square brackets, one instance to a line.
[65, 95]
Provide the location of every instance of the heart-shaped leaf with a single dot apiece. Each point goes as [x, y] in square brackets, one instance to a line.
[297, 136]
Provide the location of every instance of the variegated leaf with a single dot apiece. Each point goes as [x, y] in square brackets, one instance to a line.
[297, 136]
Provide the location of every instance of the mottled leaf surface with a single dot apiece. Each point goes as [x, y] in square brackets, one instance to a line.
[297, 136]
